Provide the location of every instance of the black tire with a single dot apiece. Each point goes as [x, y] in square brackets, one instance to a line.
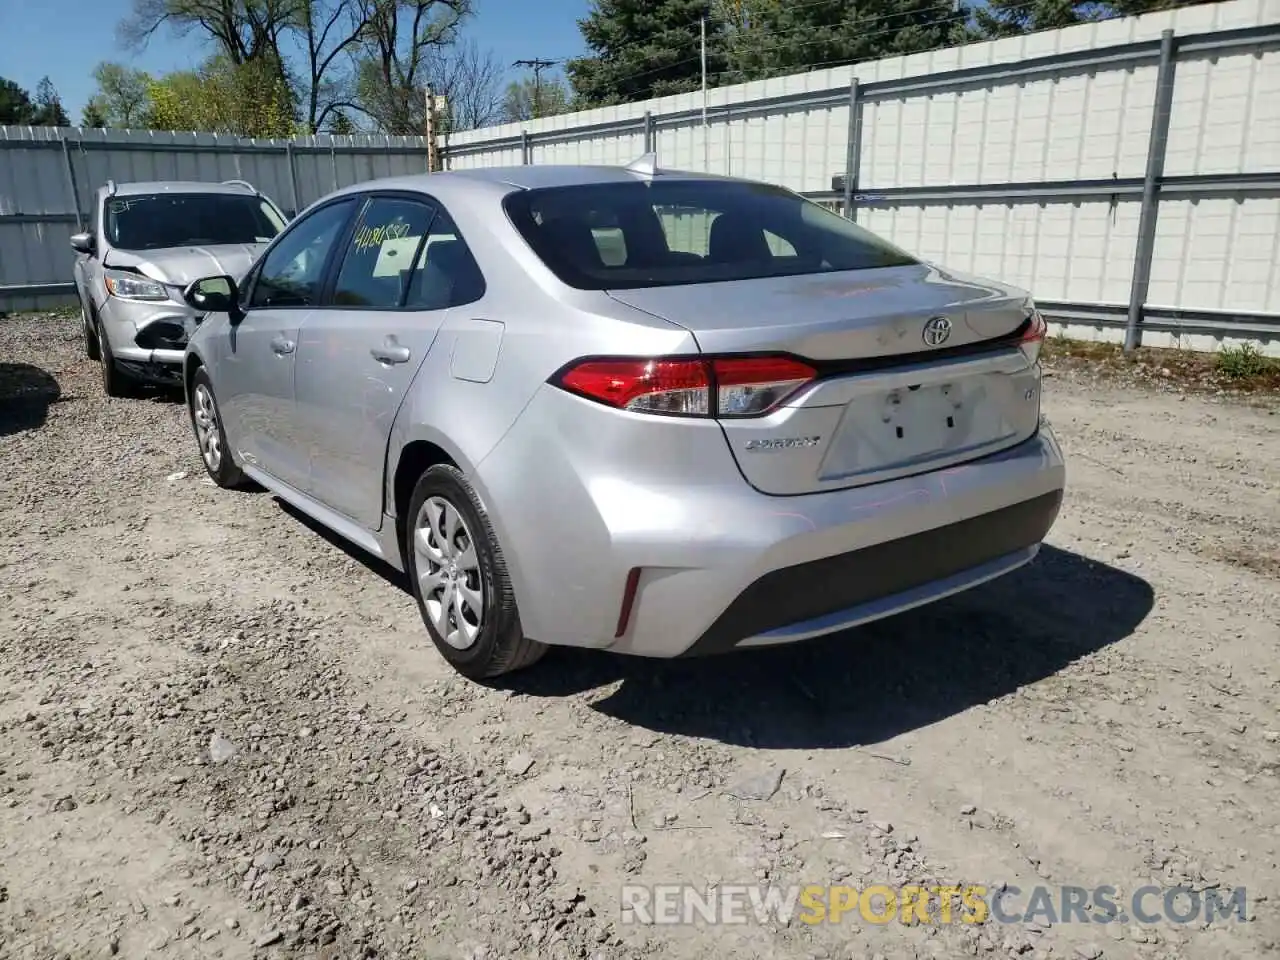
[223, 471]
[500, 646]
[92, 349]
[115, 382]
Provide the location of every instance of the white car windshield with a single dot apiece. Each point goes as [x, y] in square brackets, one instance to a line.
[155, 221]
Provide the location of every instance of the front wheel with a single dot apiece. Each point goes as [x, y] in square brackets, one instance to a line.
[92, 349]
[210, 435]
[115, 382]
[460, 579]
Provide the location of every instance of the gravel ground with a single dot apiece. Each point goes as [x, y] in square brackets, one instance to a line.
[222, 734]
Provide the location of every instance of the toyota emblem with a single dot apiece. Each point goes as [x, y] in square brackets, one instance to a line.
[936, 331]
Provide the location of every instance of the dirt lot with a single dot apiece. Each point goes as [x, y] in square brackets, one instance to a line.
[222, 734]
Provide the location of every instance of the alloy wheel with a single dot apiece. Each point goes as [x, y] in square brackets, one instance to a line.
[448, 569]
[205, 414]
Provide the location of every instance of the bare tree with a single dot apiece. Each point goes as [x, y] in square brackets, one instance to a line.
[331, 29]
[402, 39]
[244, 30]
[470, 80]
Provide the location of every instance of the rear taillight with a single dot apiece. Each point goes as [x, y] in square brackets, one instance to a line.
[1033, 337]
[688, 387]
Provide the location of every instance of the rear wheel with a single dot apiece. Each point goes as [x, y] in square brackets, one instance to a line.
[92, 349]
[460, 579]
[210, 435]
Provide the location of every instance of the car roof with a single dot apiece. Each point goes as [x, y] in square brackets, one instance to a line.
[178, 186]
[525, 177]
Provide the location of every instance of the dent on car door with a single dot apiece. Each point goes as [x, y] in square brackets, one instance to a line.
[255, 376]
[403, 267]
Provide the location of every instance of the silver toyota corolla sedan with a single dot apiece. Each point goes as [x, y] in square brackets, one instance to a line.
[651, 412]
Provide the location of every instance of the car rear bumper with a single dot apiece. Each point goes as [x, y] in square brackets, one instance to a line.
[711, 564]
[834, 593]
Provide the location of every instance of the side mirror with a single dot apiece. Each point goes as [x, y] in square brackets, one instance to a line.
[82, 242]
[213, 295]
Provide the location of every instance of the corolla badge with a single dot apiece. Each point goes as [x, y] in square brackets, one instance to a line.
[937, 331]
[781, 443]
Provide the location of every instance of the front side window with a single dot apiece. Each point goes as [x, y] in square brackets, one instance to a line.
[292, 273]
[379, 255]
[156, 221]
[666, 232]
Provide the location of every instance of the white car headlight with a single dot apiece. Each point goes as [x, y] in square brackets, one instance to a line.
[131, 286]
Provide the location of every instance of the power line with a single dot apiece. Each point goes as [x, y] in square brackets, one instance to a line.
[537, 65]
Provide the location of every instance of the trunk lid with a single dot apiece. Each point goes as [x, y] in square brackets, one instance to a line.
[835, 316]
[899, 392]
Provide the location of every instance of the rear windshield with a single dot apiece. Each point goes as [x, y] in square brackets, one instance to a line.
[154, 221]
[662, 233]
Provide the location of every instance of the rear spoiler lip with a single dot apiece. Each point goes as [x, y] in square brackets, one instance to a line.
[836, 368]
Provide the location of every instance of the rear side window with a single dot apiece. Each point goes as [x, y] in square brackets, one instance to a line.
[663, 233]
[379, 255]
[446, 274]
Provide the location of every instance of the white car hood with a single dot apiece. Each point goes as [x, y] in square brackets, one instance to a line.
[178, 266]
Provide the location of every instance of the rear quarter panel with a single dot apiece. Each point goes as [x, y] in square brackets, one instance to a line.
[492, 356]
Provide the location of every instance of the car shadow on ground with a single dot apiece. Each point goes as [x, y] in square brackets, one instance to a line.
[872, 683]
[861, 686]
[26, 393]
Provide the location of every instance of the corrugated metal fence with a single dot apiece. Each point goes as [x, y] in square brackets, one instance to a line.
[48, 177]
[1123, 171]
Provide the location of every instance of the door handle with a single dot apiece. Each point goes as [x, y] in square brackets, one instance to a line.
[281, 346]
[390, 352]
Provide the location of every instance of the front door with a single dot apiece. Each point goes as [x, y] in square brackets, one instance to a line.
[256, 373]
[403, 268]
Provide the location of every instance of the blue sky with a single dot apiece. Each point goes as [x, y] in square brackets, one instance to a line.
[65, 39]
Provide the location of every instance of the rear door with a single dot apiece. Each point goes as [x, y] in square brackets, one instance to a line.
[402, 268]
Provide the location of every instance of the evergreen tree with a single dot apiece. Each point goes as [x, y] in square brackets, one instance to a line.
[644, 48]
[1011, 18]
[770, 38]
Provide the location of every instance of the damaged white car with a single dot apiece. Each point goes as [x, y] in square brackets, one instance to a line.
[145, 243]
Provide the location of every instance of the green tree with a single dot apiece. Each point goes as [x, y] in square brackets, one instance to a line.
[644, 48]
[247, 100]
[49, 110]
[372, 56]
[526, 99]
[1009, 18]
[768, 38]
[92, 116]
[16, 107]
[123, 96]
[341, 124]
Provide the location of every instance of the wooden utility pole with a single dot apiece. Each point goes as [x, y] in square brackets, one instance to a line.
[433, 148]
